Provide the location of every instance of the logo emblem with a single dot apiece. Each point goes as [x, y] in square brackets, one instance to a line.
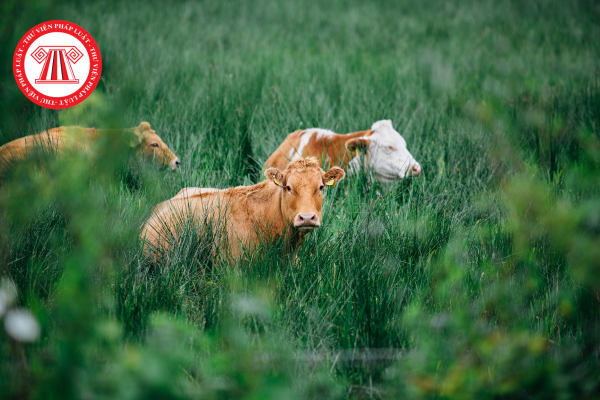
[57, 64]
[57, 67]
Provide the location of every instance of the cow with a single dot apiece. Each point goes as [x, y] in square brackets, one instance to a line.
[144, 140]
[285, 206]
[380, 149]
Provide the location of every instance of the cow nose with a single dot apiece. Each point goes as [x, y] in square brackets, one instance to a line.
[306, 221]
[175, 164]
[416, 170]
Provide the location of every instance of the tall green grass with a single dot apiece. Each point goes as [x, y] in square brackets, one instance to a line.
[478, 279]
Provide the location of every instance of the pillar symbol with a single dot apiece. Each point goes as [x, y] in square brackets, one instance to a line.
[57, 63]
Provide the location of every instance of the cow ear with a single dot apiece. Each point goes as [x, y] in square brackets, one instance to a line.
[333, 176]
[275, 176]
[357, 144]
[134, 137]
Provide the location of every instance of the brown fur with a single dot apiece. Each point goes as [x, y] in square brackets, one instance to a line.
[335, 150]
[63, 137]
[264, 211]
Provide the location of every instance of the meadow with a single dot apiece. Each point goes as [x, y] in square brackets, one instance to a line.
[478, 279]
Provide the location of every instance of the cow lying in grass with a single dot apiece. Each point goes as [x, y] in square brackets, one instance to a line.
[145, 141]
[288, 204]
[380, 149]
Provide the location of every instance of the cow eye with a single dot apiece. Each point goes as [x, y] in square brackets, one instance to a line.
[289, 189]
[390, 148]
[321, 187]
[155, 145]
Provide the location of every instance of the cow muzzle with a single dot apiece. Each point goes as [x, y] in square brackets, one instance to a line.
[175, 163]
[415, 170]
[306, 222]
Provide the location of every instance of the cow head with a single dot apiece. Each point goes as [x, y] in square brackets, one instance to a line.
[302, 185]
[385, 153]
[148, 143]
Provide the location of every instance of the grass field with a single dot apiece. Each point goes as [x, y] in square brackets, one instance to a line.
[478, 279]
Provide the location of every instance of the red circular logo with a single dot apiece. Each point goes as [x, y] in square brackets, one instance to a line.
[57, 64]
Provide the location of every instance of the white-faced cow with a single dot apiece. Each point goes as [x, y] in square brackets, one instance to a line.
[380, 149]
[145, 141]
[287, 205]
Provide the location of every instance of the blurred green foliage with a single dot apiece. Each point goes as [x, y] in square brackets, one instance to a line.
[483, 274]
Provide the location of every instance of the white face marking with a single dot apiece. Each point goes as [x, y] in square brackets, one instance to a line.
[387, 155]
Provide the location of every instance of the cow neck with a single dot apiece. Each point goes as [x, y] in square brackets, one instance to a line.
[278, 222]
[267, 197]
[293, 238]
[74, 136]
[87, 134]
[97, 132]
[339, 152]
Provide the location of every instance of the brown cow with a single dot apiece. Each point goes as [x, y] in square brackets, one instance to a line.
[380, 149]
[145, 140]
[288, 204]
